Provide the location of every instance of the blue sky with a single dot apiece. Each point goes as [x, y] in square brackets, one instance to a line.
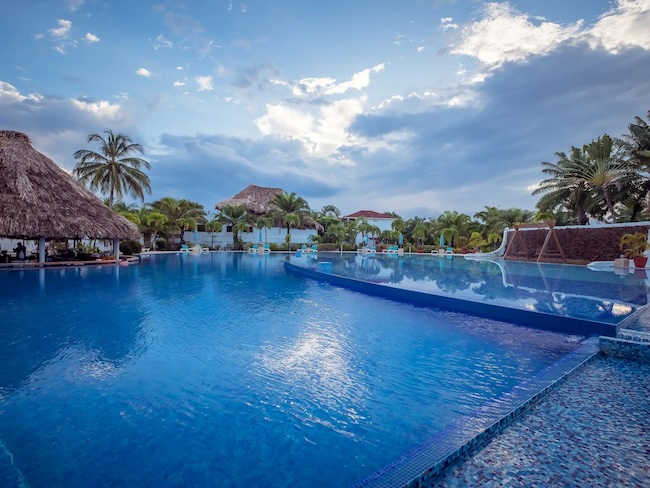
[410, 106]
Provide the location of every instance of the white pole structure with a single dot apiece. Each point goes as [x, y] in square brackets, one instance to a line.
[41, 249]
[116, 248]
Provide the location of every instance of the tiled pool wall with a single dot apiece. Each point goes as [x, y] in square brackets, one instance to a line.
[534, 319]
[626, 347]
[422, 465]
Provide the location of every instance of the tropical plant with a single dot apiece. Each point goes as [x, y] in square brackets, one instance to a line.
[563, 191]
[288, 203]
[156, 221]
[601, 170]
[113, 170]
[264, 222]
[476, 240]
[290, 220]
[634, 244]
[181, 214]
[213, 226]
[236, 217]
[331, 211]
[339, 232]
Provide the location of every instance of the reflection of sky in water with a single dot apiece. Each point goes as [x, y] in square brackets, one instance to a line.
[571, 291]
[187, 369]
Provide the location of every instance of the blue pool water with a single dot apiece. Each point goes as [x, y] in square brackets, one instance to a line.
[574, 292]
[225, 370]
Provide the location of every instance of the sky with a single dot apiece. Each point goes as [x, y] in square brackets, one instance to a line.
[411, 106]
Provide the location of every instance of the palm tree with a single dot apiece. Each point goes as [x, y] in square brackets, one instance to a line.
[562, 190]
[339, 233]
[636, 144]
[156, 221]
[290, 220]
[453, 224]
[264, 222]
[213, 226]
[331, 211]
[113, 170]
[601, 170]
[183, 214]
[288, 203]
[420, 231]
[236, 217]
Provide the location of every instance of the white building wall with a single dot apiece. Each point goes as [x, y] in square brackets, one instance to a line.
[274, 235]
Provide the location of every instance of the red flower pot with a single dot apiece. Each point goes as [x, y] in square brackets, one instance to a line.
[640, 261]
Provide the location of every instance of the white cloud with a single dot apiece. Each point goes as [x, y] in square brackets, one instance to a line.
[626, 25]
[63, 30]
[179, 68]
[329, 86]
[74, 5]
[101, 109]
[91, 37]
[323, 133]
[420, 49]
[143, 72]
[38, 36]
[446, 23]
[179, 83]
[10, 94]
[504, 34]
[204, 82]
[161, 42]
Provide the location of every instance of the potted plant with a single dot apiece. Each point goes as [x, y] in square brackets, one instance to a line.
[635, 245]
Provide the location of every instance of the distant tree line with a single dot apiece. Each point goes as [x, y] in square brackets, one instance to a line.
[607, 179]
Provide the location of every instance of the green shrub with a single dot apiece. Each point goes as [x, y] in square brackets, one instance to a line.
[129, 246]
[328, 246]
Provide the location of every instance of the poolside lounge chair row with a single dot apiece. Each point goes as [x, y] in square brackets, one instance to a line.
[255, 249]
[197, 249]
[309, 250]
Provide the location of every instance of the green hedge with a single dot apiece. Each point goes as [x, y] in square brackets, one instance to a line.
[129, 247]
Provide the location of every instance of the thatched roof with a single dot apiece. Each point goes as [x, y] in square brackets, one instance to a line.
[256, 199]
[39, 199]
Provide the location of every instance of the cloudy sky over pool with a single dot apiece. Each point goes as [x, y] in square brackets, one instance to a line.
[414, 106]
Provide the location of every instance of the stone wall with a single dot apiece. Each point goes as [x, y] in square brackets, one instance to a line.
[584, 244]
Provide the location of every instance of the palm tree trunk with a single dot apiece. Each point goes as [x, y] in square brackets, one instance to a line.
[610, 205]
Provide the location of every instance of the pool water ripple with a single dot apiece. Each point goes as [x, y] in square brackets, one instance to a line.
[224, 370]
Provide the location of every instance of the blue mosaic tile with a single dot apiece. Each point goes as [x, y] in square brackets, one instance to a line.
[591, 432]
[428, 460]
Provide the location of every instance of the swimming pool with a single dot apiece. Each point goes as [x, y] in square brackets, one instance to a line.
[568, 298]
[222, 369]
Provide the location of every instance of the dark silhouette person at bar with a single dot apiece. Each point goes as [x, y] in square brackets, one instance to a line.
[21, 252]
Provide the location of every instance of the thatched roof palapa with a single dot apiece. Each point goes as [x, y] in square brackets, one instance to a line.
[256, 199]
[39, 199]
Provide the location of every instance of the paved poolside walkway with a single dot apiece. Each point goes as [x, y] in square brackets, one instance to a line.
[592, 431]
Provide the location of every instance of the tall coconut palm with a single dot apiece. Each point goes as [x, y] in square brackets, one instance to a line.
[113, 170]
[288, 203]
[600, 170]
[636, 144]
[561, 189]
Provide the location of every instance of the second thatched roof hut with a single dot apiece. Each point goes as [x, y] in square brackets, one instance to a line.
[40, 200]
[256, 199]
